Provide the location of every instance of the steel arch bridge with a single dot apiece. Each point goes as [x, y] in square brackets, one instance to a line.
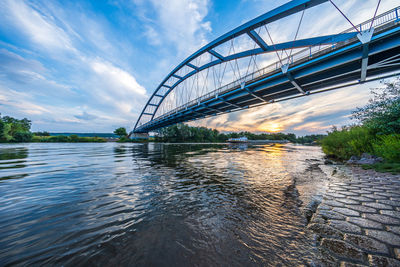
[245, 68]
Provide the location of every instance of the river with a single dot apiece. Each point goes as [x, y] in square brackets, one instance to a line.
[157, 204]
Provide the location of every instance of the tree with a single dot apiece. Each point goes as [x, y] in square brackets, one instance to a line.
[22, 136]
[121, 132]
[15, 130]
[2, 125]
[382, 113]
[42, 133]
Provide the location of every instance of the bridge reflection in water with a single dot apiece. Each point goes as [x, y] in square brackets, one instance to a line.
[193, 90]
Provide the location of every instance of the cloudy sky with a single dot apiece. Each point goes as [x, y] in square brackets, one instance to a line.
[90, 66]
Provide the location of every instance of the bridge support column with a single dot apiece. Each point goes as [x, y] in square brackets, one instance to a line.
[139, 136]
[365, 37]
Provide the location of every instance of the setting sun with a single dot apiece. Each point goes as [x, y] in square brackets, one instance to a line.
[271, 127]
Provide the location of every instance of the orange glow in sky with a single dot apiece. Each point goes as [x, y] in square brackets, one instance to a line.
[271, 127]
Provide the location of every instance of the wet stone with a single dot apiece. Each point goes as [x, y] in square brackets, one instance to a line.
[384, 236]
[329, 214]
[361, 198]
[375, 260]
[346, 211]
[348, 193]
[339, 184]
[333, 189]
[390, 202]
[376, 197]
[360, 191]
[394, 229]
[394, 192]
[324, 206]
[351, 187]
[327, 259]
[373, 189]
[364, 186]
[382, 219]
[345, 226]
[361, 208]
[365, 223]
[349, 264]
[384, 194]
[348, 201]
[378, 206]
[335, 195]
[392, 213]
[316, 218]
[367, 243]
[325, 230]
[342, 249]
[333, 203]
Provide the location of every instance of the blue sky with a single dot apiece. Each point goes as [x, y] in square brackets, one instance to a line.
[90, 66]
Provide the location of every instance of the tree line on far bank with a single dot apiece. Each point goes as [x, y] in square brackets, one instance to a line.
[184, 133]
[13, 130]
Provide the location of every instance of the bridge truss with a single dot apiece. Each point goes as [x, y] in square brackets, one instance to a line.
[250, 66]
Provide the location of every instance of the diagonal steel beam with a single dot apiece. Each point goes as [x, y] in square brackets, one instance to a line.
[192, 66]
[177, 76]
[243, 86]
[210, 108]
[285, 71]
[258, 40]
[216, 54]
[229, 103]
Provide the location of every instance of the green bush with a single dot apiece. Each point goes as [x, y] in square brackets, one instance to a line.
[74, 138]
[388, 147]
[351, 141]
[22, 136]
[58, 138]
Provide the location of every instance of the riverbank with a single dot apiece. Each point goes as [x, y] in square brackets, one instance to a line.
[358, 220]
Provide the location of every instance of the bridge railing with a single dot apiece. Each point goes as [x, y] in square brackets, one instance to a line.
[296, 58]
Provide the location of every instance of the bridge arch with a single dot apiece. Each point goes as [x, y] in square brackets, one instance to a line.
[168, 104]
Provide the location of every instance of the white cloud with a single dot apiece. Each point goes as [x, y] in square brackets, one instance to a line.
[20, 101]
[39, 28]
[178, 22]
[315, 113]
[120, 81]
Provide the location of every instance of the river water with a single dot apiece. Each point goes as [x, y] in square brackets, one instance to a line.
[156, 204]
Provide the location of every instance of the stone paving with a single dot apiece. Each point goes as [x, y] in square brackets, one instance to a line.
[358, 220]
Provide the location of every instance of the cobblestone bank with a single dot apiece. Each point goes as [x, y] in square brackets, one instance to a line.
[358, 221]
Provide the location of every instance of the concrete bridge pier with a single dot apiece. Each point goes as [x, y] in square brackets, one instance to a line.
[139, 136]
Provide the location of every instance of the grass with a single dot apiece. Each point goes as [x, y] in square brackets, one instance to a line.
[392, 167]
[67, 139]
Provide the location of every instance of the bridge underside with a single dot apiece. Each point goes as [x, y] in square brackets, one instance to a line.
[343, 65]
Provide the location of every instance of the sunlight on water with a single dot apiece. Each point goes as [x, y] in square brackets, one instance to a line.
[154, 204]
